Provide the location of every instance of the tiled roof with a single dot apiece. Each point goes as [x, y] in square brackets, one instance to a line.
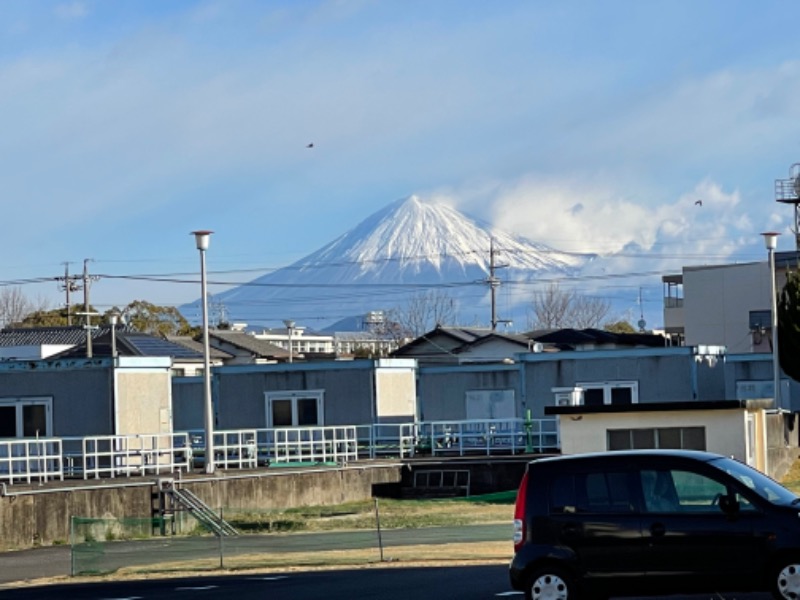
[39, 336]
[197, 346]
[250, 343]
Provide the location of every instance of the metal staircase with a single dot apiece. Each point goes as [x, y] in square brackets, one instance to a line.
[172, 499]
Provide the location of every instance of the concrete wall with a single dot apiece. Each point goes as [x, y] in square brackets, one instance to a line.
[717, 303]
[35, 516]
[725, 429]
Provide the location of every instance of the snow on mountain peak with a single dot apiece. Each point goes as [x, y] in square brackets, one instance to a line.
[410, 242]
[413, 234]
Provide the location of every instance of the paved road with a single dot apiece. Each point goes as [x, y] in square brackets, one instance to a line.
[419, 583]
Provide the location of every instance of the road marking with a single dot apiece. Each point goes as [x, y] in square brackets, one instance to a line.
[276, 578]
[197, 588]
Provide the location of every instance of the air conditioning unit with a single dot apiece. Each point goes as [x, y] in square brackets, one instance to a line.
[568, 396]
[565, 399]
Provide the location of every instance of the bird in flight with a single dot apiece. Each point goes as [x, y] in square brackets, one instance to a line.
[698, 203]
[310, 145]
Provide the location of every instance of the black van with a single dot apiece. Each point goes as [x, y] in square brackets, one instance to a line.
[653, 521]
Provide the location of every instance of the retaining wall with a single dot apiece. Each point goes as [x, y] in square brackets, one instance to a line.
[40, 515]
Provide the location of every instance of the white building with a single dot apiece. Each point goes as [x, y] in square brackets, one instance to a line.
[723, 305]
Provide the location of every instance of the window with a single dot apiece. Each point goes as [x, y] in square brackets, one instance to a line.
[615, 393]
[594, 492]
[25, 417]
[680, 491]
[295, 409]
[678, 438]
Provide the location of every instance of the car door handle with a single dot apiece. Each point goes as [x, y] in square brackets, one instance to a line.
[657, 529]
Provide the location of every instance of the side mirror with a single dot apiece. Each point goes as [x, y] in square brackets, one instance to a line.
[729, 504]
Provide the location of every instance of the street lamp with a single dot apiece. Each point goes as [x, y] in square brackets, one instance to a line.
[113, 319]
[771, 242]
[289, 327]
[202, 238]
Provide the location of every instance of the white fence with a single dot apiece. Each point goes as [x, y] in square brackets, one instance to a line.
[29, 460]
[126, 455]
[488, 436]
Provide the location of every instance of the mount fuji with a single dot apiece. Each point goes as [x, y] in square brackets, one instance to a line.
[410, 247]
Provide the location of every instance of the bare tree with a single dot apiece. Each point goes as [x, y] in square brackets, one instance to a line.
[423, 312]
[15, 306]
[588, 311]
[555, 308]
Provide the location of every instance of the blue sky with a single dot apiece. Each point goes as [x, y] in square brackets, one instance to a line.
[589, 126]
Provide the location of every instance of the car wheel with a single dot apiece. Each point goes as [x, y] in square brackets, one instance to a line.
[550, 583]
[786, 580]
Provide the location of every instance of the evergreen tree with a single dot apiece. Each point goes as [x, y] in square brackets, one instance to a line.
[789, 326]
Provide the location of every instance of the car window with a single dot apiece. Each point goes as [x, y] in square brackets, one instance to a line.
[767, 488]
[596, 492]
[682, 491]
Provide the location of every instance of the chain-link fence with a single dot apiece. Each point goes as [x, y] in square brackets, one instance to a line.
[101, 546]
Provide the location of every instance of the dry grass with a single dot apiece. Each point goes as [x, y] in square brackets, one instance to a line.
[792, 478]
[394, 514]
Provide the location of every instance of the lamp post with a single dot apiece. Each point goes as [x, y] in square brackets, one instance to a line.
[202, 238]
[113, 318]
[289, 327]
[771, 242]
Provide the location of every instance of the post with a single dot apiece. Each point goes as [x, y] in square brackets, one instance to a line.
[771, 242]
[289, 327]
[201, 238]
[88, 324]
[112, 319]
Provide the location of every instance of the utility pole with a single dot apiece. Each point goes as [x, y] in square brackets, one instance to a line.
[87, 314]
[494, 283]
[68, 286]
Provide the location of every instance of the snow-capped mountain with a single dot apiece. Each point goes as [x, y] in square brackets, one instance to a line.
[409, 247]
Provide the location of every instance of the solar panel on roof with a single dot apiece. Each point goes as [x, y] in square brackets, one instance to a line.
[153, 346]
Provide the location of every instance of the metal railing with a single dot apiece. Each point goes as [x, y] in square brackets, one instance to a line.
[114, 455]
[387, 440]
[488, 436]
[29, 460]
[26, 460]
[337, 444]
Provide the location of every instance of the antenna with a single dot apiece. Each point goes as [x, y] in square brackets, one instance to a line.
[787, 191]
[642, 323]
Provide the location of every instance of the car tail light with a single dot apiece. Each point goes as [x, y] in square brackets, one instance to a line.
[519, 513]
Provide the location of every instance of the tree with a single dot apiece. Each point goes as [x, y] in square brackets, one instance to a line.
[423, 312]
[14, 306]
[789, 326]
[56, 317]
[619, 327]
[555, 308]
[157, 320]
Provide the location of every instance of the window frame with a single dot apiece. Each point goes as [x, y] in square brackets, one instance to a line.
[19, 405]
[607, 388]
[294, 397]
